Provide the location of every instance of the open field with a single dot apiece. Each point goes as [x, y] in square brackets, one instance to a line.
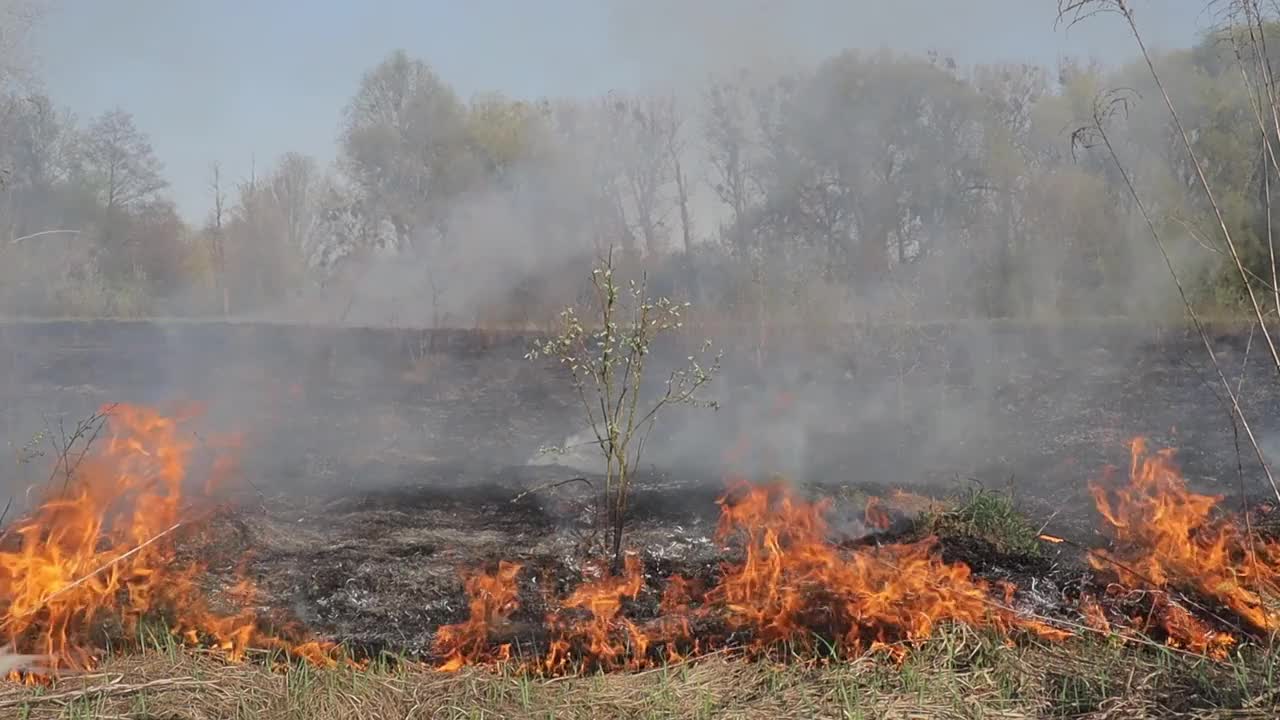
[365, 408]
[387, 595]
[381, 488]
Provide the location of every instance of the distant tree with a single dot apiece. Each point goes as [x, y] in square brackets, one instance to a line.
[294, 185]
[644, 130]
[216, 238]
[116, 164]
[862, 189]
[675, 145]
[506, 135]
[35, 145]
[120, 163]
[407, 150]
[270, 231]
[731, 148]
[404, 145]
[158, 247]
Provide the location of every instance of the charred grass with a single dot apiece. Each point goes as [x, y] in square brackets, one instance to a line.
[959, 673]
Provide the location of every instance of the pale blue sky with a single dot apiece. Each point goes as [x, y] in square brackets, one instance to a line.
[231, 80]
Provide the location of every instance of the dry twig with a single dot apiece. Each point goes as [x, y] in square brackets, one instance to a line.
[105, 566]
[106, 690]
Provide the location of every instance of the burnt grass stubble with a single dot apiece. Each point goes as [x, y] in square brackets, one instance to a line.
[381, 572]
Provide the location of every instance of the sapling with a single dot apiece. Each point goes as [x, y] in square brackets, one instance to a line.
[606, 357]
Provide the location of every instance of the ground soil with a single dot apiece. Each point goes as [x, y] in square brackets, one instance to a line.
[382, 571]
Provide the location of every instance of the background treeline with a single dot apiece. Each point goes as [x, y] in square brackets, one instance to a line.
[876, 184]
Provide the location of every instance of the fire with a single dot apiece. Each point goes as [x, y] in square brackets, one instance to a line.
[793, 581]
[1168, 537]
[492, 600]
[604, 636]
[876, 515]
[791, 587]
[98, 556]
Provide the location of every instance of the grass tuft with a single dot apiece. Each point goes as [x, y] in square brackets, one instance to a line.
[982, 514]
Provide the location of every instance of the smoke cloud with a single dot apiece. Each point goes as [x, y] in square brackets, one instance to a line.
[876, 210]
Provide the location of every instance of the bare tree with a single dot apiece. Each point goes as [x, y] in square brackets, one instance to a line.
[123, 172]
[121, 162]
[609, 161]
[675, 149]
[216, 237]
[294, 186]
[730, 156]
[646, 132]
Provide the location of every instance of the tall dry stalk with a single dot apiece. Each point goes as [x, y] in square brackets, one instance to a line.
[1073, 11]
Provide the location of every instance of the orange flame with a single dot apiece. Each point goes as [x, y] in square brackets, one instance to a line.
[793, 581]
[876, 515]
[791, 586]
[99, 553]
[604, 637]
[1168, 536]
[493, 597]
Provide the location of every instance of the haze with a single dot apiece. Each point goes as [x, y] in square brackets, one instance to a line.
[237, 81]
[805, 175]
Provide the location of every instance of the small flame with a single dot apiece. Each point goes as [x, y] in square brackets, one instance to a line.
[876, 515]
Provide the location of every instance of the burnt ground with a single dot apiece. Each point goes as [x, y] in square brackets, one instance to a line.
[381, 571]
[382, 463]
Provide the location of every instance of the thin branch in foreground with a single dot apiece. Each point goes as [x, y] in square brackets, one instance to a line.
[552, 486]
[86, 433]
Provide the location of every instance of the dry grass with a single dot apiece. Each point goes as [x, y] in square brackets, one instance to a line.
[961, 674]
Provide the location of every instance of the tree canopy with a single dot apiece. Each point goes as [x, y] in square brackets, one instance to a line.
[870, 175]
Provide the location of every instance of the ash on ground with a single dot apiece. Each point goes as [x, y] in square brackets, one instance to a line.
[383, 571]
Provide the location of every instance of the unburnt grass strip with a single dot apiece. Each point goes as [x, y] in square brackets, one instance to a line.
[959, 674]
